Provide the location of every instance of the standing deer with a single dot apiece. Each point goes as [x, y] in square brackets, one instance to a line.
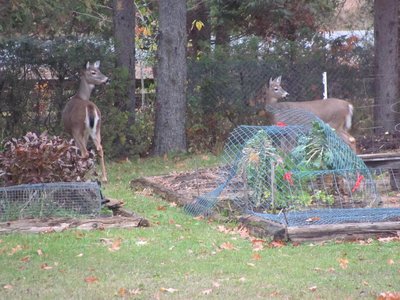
[335, 112]
[82, 118]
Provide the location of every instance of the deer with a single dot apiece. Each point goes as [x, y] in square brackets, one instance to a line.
[335, 112]
[81, 118]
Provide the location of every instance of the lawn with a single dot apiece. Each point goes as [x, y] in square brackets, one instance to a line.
[181, 257]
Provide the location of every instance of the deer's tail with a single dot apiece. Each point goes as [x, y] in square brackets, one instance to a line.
[349, 117]
[92, 117]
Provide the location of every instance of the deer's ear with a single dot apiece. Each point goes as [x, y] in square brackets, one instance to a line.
[97, 64]
[270, 81]
[278, 80]
[87, 65]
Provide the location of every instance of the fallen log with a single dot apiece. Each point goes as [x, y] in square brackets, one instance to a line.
[62, 224]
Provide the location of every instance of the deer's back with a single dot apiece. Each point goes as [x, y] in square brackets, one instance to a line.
[332, 111]
[74, 114]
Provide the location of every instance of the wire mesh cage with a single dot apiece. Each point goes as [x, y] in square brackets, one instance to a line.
[61, 199]
[300, 164]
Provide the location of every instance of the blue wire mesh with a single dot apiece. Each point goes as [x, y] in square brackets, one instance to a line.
[59, 199]
[300, 165]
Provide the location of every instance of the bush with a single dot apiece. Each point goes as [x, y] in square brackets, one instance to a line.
[40, 159]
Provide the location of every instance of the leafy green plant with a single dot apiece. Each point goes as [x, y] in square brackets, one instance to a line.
[312, 151]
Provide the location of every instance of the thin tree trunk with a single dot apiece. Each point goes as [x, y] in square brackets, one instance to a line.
[171, 78]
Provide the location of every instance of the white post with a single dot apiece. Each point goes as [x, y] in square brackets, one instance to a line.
[325, 83]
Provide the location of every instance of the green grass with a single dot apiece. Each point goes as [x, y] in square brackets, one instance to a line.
[188, 255]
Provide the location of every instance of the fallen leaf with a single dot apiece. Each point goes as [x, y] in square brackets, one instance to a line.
[242, 279]
[161, 207]
[343, 263]
[8, 287]
[251, 264]
[122, 292]
[227, 246]
[91, 279]
[313, 288]
[39, 252]
[80, 255]
[390, 261]
[389, 296]
[277, 244]
[168, 290]
[15, 250]
[26, 258]
[257, 245]
[45, 266]
[116, 245]
[256, 256]
[207, 292]
[141, 242]
[171, 221]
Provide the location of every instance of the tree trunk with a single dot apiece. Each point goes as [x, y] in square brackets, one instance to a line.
[124, 35]
[386, 19]
[171, 78]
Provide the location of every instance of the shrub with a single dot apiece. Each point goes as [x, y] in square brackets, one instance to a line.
[39, 159]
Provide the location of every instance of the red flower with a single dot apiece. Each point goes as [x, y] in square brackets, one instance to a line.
[288, 177]
[281, 124]
[358, 182]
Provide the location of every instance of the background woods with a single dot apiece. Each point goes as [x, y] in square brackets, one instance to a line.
[189, 95]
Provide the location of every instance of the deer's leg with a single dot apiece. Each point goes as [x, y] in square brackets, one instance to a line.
[99, 148]
[348, 139]
[81, 142]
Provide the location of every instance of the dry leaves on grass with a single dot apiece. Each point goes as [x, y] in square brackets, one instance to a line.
[227, 246]
[389, 296]
[91, 279]
[343, 262]
[123, 292]
[168, 290]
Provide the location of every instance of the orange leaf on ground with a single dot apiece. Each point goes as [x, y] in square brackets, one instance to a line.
[26, 258]
[46, 267]
[389, 296]
[277, 244]
[91, 279]
[343, 262]
[256, 256]
[227, 246]
[116, 245]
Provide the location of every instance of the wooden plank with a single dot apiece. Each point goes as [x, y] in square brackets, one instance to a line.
[349, 231]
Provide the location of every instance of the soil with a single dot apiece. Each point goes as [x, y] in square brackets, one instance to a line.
[389, 142]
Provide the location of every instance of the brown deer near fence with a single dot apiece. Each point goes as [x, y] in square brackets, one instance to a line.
[337, 113]
[82, 118]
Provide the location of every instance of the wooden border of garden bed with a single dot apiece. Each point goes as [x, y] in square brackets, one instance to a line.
[121, 218]
[268, 229]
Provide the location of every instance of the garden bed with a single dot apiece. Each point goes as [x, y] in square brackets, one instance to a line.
[183, 188]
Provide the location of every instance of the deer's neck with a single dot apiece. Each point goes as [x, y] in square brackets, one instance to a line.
[85, 89]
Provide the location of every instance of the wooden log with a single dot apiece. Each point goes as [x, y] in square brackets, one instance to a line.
[349, 231]
[264, 228]
[61, 224]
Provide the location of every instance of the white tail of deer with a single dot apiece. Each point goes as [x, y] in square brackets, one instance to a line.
[335, 112]
[82, 118]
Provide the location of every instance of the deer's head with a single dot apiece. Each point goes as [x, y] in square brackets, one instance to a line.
[92, 74]
[275, 91]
